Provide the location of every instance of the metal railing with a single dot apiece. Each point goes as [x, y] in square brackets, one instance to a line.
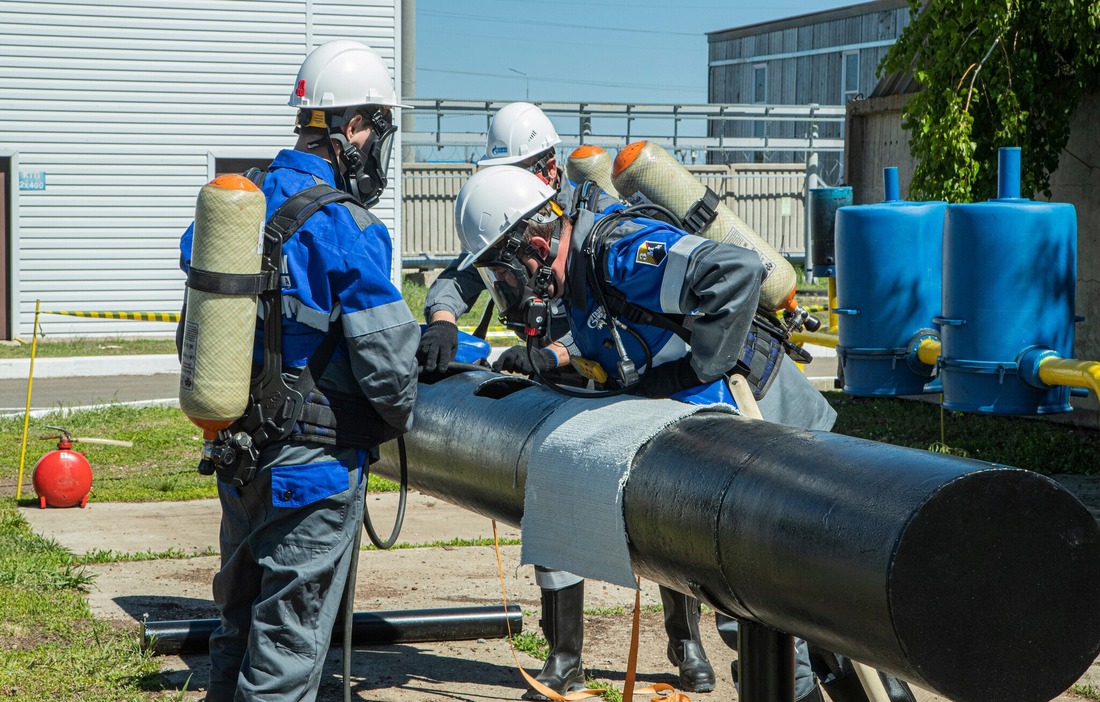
[456, 129]
[444, 138]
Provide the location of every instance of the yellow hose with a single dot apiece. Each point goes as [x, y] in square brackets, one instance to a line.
[1071, 372]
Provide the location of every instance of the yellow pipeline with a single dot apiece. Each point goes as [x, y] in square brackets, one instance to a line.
[834, 322]
[928, 351]
[1070, 372]
[827, 340]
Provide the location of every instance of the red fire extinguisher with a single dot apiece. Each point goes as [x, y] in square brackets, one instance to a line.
[63, 477]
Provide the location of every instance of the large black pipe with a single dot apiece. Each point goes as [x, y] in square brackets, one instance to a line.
[980, 582]
[367, 628]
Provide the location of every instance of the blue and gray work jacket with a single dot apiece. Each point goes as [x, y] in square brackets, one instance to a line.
[337, 266]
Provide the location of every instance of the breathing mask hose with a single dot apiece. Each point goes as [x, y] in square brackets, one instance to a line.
[348, 609]
[592, 395]
[403, 493]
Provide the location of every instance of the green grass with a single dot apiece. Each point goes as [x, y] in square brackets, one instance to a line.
[159, 467]
[532, 643]
[456, 542]
[51, 648]
[88, 346]
[1036, 444]
[611, 693]
[102, 555]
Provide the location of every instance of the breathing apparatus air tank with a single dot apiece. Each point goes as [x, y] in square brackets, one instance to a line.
[889, 270]
[1009, 293]
[645, 168]
[589, 162]
[219, 328]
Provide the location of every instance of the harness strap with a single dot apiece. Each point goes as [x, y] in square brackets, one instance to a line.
[230, 283]
[274, 407]
[764, 347]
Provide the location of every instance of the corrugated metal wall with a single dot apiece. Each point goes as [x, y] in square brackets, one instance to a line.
[123, 106]
[768, 196]
[804, 65]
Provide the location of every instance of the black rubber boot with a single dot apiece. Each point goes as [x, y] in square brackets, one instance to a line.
[563, 625]
[685, 648]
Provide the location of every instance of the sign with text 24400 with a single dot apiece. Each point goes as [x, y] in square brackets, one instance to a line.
[32, 180]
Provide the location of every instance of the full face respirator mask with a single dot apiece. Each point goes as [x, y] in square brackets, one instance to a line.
[367, 167]
[521, 298]
[364, 173]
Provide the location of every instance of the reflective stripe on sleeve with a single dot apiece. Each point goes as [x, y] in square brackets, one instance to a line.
[672, 284]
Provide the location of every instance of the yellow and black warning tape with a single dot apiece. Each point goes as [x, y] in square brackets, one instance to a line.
[139, 316]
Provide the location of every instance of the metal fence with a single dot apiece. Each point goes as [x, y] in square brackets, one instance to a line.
[769, 197]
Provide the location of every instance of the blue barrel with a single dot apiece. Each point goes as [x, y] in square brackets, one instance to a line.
[1009, 286]
[888, 263]
[824, 202]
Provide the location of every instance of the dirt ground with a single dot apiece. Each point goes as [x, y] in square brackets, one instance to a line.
[402, 579]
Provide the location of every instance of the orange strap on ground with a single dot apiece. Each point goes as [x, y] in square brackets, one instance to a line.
[542, 689]
[666, 691]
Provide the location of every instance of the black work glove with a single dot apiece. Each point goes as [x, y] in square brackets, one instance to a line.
[515, 360]
[437, 346]
[668, 379]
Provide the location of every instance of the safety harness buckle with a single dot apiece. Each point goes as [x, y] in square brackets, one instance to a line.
[701, 213]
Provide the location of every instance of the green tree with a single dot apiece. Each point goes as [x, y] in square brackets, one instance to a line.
[994, 73]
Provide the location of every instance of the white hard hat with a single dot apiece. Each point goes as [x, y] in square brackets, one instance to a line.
[343, 73]
[493, 201]
[519, 130]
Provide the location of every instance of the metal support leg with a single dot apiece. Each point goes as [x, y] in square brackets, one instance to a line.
[766, 663]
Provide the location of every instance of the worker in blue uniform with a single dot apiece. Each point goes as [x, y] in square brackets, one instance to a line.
[521, 135]
[289, 523]
[665, 313]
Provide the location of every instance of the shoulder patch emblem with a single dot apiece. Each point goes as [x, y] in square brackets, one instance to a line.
[651, 253]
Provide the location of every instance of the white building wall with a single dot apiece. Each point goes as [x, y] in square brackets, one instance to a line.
[124, 105]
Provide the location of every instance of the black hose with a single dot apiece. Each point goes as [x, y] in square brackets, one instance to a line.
[348, 608]
[592, 395]
[403, 493]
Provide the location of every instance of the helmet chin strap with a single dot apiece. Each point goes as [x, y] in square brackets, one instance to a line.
[360, 172]
[544, 252]
[346, 179]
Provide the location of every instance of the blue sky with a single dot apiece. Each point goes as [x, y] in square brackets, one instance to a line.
[640, 51]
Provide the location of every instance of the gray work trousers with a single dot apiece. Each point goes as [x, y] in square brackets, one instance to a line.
[280, 585]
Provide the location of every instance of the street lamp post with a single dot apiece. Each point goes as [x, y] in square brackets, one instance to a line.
[526, 84]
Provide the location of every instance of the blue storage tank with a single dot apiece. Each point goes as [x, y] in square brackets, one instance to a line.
[888, 264]
[824, 202]
[1009, 287]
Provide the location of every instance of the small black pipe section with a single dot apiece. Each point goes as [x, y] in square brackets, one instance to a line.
[765, 664]
[977, 581]
[368, 628]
